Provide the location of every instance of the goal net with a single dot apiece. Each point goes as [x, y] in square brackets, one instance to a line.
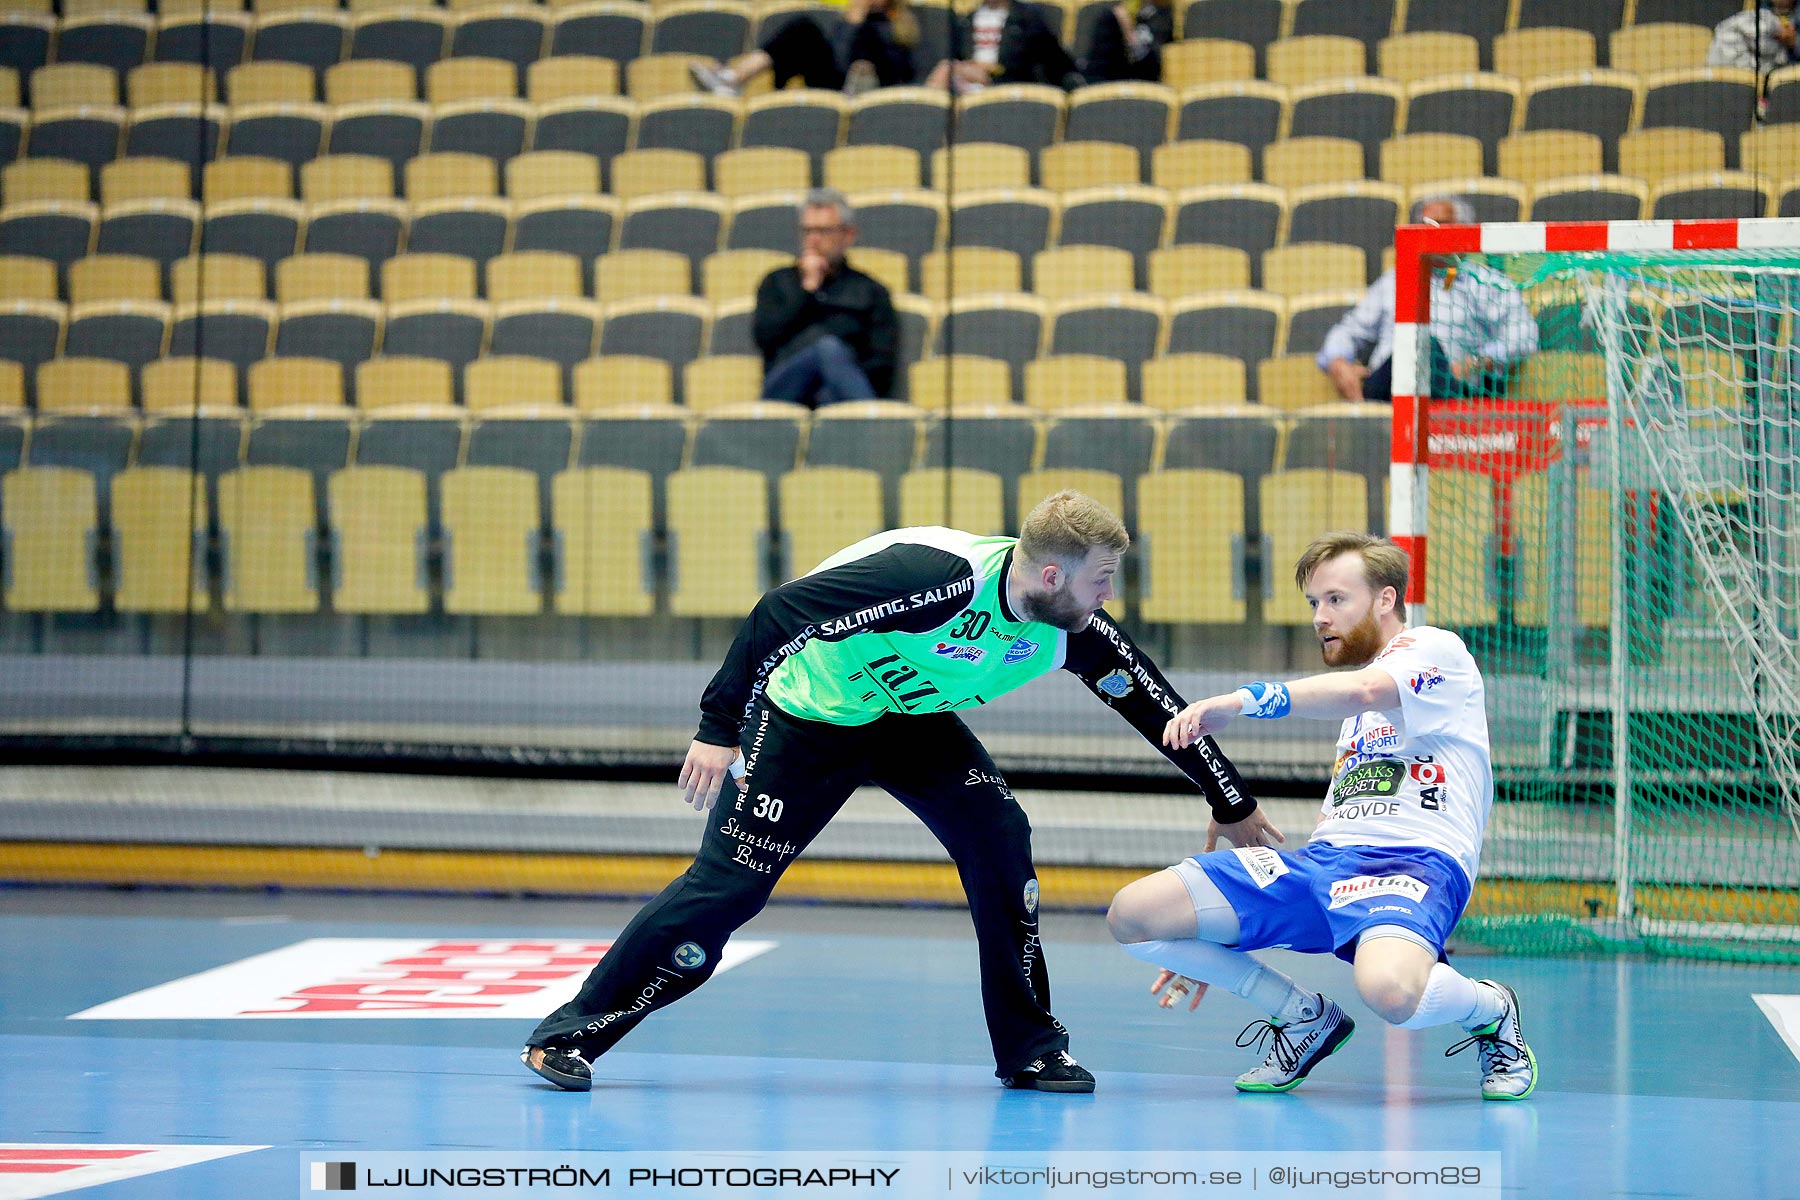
[1611, 522]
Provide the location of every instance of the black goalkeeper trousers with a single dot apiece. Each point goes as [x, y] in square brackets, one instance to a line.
[799, 775]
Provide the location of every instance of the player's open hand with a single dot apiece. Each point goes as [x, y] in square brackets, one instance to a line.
[1199, 719]
[704, 772]
[1253, 830]
[1170, 988]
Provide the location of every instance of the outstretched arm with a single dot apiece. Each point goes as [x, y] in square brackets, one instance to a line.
[1116, 671]
[1327, 697]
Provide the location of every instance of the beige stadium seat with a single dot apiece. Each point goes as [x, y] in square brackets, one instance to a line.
[542, 173]
[25, 278]
[1406, 57]
[284, 382]
[719, 541]
[1539, 154]
[1414, 158]
[971, 270]
[1177, 272]
[159, 521]
[128, 179]
[647, 172]
[510, 381]
[1297, 506]
[533, 274]
[1301, 267]
[432, 276]
[1194, 380]
[50, 519]
[755, 169]
[1199, 162]
[114, 277]
[824, 509]
[267, 526]
[973, 166]
[216, 277]
[1070, 166]
[377, 520]
[1066, 271]
[1460, 569]
[1544, 568]
[623, 380]
[1293, 381]
[1059, 381]
[720, 380]
[736, 274]
[635, 274]
[491, 537]
[1298, 162]
[321, 276]
[186, 384]
[872, 168]
[1654, 155]
[391, 380]
[1194, 61]
[957, 497]
[968, 379]
[571, 77]
[247, 177]
[1191, 571]
[604, 542]
[1310, 59]
[83, 385]
[450, 175]
[1526, 54]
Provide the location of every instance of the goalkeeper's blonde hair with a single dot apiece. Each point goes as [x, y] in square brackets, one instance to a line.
[1384, 564]
[1064, 527]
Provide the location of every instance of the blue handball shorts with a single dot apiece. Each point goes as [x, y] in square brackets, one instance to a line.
[1321, 898]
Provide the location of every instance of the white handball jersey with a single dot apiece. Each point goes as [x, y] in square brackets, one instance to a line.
[1422, 775]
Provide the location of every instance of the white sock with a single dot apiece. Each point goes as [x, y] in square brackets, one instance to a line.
[1235, 971]
[1451, 996]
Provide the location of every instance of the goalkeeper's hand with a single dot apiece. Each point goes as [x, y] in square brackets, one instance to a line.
[1177, 986]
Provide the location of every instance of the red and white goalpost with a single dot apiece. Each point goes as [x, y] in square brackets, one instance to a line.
[1619, 536]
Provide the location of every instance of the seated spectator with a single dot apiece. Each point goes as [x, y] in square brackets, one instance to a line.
[1004, 41]
[827, 331]
[1128, 44]
[872, 48]
[1480, 327]
[1759, 39]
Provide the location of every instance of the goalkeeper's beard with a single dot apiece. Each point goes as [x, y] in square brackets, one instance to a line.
[1058, 608]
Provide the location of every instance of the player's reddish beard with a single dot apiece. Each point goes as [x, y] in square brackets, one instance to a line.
[1059, 608]
[1356, 646]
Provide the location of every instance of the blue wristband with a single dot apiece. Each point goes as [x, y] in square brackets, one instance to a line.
[1265, 701]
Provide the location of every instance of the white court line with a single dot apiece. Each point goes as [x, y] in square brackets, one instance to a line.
[1783, 1013]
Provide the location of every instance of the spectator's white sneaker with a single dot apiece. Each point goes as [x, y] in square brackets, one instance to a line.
[717, 80]
[1294, 1050]
[1508, 1067]
[860, 78]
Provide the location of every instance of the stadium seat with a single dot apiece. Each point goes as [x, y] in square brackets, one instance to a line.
[719, 541]
[603, 542]
[1191, 572]
[823, 510]
[492, 537]
[50, 518]
[1297, 506]
[159, 521]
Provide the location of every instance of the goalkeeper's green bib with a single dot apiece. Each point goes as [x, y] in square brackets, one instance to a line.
[847, 676]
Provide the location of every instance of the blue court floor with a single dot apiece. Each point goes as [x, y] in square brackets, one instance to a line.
[850, 1029]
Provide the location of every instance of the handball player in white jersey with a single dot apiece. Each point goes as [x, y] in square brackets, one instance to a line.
[1390, 865]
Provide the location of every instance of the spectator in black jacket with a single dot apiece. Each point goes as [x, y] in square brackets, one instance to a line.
[1127, 43]
[872, 47]
[827, 331]
[1005, 41]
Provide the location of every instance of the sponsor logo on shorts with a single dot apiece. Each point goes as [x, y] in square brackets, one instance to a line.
[1031, 895]
[1116, 684]
[1426, 679]
[1019, 651]
[961, 653]
[688, 955]
[1362, 887]
[1263, 864]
